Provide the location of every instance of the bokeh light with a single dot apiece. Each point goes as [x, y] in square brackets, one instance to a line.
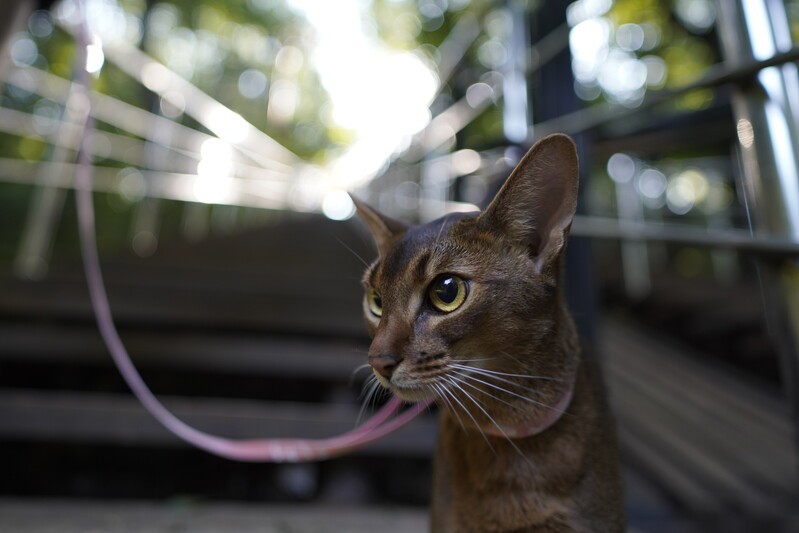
[337, 205]
[618, 51]
[621, 167]
[214, 172]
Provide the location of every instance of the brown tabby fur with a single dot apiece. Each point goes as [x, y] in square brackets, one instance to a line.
[513, 321]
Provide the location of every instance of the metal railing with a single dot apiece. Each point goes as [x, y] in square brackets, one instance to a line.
[764, 135]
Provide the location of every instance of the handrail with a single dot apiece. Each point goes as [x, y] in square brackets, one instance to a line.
[628, 230]
[719, 74]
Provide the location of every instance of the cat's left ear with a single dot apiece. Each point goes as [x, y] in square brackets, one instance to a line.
[385, 230]
[536, 205]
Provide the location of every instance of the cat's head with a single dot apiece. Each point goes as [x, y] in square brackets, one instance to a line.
[476, 294]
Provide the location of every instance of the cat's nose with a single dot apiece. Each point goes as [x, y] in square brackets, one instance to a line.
[385, 364]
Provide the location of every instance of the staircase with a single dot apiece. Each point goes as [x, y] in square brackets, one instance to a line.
[253, 335]
[260, 334]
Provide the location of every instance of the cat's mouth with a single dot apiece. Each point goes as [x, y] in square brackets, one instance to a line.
[407, 392]
[412, 394]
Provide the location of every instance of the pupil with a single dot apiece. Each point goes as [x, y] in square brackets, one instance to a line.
[447, 290]
[377, 301]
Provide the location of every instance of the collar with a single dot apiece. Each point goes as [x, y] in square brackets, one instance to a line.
[530, 429]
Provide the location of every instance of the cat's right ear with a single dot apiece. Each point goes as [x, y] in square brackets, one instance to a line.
[536, 204]
[385, 230]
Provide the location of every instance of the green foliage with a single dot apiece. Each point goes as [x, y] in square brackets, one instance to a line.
[792, 6]
[213, 42]
[641, 11]
[687, 56]
[14, 199]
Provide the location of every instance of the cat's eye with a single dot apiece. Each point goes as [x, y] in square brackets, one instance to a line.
[374, 302]
[447, 292]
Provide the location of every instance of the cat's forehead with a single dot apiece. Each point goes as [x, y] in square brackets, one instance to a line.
[411, 253]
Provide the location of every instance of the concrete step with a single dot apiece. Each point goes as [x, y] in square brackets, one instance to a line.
[714, 440]
[194, 349]
[84, 417]
[81, 516]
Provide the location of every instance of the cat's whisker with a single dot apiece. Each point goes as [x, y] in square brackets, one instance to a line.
[497, 373]
[512, 357]
[456, 382]
[479, 371]
[441, 392]
[465, 410]
[490, 418]
[501, 389]
[435, 249]
[358, 369]
[519, 386]
[382, 394]
[369, 395]
[481, 391]
[468, 375]
[438, 236]
[353, 252]
[367, 387]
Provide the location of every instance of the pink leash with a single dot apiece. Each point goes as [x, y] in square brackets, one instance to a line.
[253, 450]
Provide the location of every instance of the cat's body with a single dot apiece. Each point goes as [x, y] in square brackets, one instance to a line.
[568, 479]
[469, 310]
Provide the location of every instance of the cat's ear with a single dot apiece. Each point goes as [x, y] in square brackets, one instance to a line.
[385, 230]
[536, 204]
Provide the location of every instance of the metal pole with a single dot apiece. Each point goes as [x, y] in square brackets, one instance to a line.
[552, 97]
[719, 239]
[515, 111]
[736, 70]
[767, 119]
[15, 16]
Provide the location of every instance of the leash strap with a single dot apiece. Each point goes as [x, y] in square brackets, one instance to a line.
[251, 450]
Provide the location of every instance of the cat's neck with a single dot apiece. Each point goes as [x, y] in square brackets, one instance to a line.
[532, 406]
[533, 427]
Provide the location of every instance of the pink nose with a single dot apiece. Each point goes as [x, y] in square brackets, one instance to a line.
[385, 364]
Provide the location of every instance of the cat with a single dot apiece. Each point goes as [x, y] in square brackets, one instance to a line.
[469, 310]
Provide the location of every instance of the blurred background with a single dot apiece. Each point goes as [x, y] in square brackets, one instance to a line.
[227, 134]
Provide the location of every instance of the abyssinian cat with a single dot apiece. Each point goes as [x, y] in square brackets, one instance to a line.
[469, 310]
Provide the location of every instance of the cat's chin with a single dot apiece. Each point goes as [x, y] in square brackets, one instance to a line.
[406, 393]
[412, 394]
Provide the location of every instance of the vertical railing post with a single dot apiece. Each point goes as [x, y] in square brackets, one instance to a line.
[552, 97]
[766, 112]
[516, 105]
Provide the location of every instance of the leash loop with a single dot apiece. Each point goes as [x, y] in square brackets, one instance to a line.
[250, 450]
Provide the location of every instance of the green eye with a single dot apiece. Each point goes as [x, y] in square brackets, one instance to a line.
[447, 293]
[374, 302]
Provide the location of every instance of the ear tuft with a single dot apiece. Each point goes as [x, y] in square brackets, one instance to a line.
[536, 205]
[385, 230]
